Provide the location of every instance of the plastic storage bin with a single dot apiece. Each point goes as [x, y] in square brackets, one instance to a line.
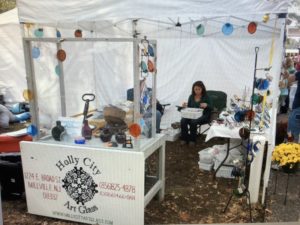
[205, 166]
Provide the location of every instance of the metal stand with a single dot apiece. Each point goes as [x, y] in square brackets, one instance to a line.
[245, 193]
[227, 154]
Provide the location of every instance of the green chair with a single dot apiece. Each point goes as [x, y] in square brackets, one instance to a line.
[218, 101]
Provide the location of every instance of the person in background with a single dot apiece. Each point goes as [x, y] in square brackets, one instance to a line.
[293, 129]
[7, 116]
[284, 91]
[289, 65]
[197, 99]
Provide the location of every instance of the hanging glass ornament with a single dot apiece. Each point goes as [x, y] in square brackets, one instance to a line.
[227, 29]
[262, 84]
[151, 67]
[257, 99]
[58, 34]
[200, 29]
[239, 116]
[144, 47]
[39, 32]
[27, 95]
[150, 51]
[35, 52]
[61, 55]
[78, 33]
[57, 70]
[266, 18]
[252, 26]
[144, 67]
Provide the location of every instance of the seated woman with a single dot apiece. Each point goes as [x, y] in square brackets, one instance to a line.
[198, 99]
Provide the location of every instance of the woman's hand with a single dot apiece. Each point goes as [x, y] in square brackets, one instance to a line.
[203, 105]
[184, 105]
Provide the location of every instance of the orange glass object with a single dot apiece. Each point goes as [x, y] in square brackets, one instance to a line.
[151, 67]
[135, 130]
[78, 33]
[28, 95]
[252, 27]
[61, 55]
[250, 115]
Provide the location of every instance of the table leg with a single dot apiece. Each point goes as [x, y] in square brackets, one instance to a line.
[221, 164]
[161, 170]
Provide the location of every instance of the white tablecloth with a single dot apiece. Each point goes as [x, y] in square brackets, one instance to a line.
[220, 130]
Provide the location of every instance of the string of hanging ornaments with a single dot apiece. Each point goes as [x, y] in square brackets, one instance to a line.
[228, 28]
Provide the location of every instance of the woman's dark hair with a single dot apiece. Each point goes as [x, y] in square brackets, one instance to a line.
[201, 85]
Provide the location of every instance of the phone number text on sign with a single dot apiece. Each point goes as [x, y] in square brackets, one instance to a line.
[117, 187]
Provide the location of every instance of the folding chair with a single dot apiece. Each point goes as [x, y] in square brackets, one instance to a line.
[218, 101]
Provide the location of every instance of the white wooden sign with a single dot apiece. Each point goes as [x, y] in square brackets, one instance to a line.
[88, 185]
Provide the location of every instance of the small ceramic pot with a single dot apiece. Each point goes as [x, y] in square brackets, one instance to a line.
[120, 137]
[105, 135]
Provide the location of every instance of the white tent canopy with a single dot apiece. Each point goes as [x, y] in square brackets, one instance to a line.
[99, 10]
[12, 67]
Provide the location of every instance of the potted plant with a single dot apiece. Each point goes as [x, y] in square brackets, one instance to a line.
[287, 155]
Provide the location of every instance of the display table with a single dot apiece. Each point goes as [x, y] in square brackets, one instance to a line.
[220, 130]
[91, 184]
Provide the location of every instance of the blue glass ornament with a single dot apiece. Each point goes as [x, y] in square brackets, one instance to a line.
[150, 51]
[240, 116]
[58, 34]
[227, 29]
[35, 52]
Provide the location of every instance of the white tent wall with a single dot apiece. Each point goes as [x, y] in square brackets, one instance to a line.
[214, 61]
[106, 69]
[12, 67]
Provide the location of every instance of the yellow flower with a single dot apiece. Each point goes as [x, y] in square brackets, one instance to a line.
[286, 153]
